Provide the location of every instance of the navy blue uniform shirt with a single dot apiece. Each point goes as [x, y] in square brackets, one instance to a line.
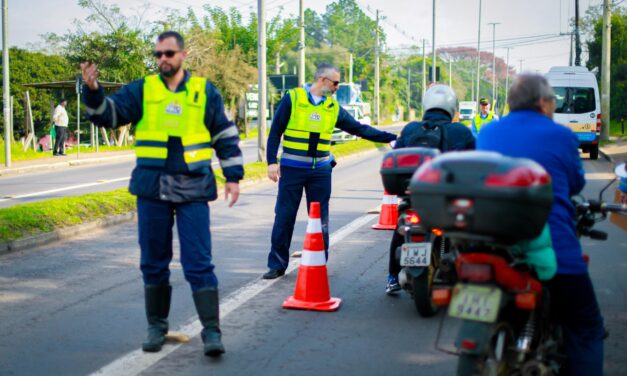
[174, 182]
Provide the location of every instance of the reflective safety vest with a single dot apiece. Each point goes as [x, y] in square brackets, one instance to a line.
[479, 121]
[168, 114]
[308, 122]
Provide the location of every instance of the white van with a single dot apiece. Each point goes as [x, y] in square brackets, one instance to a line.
[578, 105]
[467, 111]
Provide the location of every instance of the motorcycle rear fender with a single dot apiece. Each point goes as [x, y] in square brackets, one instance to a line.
[478, 332]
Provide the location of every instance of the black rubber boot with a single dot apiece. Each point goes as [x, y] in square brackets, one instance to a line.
[206, 301]
[157, 299]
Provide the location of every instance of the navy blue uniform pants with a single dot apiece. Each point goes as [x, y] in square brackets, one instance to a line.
[317, 186]
[574, 306]
[155, 219]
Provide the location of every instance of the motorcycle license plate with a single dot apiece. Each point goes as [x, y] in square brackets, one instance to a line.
[416, 254]
[472, 302]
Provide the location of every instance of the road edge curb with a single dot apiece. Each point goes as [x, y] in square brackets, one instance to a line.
[64, 233]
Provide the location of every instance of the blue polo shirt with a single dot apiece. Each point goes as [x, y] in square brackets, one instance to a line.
[529, 134]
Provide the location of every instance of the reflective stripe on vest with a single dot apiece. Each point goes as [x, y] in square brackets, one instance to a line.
[479, 121]
[306, 119]
[168, 114]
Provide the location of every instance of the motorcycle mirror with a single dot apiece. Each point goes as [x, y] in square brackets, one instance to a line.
[621, 170]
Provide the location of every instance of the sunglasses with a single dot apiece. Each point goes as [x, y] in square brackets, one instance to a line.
[167, 53]
[335, 83]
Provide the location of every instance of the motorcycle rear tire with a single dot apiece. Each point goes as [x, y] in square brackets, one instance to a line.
[422, 293]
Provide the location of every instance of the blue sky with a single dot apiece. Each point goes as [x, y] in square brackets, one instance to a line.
[407, 21]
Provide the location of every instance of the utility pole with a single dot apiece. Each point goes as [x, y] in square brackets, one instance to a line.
[570, 57]
[577, 40]
[507, 75]
[376, 74]
[424, 70]
[350, 68]
[6, 93]
[606, 55]
[433, 63]
[478, 58]
[450, 72]
[301, 46]
[408, 90]
[493, 59]
[262, 90]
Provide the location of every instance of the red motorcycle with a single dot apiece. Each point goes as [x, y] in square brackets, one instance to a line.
[487, 204]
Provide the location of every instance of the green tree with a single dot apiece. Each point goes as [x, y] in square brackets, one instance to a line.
[618, 64]
[28, 67]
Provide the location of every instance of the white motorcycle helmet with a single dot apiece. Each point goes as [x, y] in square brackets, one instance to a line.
[441, 97]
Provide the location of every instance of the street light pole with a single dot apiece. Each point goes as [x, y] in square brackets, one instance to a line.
[424, 69]
[433, 64]
[301, 47]
[478, 90]
[507, 75]
[376, 74]
[6, 93]
[493, 59]
[261, 62]
[606, 55]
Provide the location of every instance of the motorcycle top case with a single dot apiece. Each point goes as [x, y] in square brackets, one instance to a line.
[399, 165]
[483, 193]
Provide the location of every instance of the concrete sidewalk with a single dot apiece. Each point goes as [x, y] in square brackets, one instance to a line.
[52, 162]
[615, 152]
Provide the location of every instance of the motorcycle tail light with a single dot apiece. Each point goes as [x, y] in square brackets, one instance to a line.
[426, 174]
[441, 296]
[526, 301]
[476, 272]
[518, 177]
[586, 258]
[412, 217]
[469, 344]
[388, 162]
[417, 238]
[408, 160]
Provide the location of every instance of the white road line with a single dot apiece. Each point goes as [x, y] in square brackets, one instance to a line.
[99, 182]
[138, 361]
[600, 176]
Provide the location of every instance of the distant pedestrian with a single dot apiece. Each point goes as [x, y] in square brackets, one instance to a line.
[179, 118]
[306, 118]
[61, 121]
[484, 116]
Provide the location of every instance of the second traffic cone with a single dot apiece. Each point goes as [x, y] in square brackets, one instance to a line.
[312, 283]
[389, 213]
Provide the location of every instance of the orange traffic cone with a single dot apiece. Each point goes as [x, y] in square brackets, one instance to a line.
[389, 213]
[312, 283]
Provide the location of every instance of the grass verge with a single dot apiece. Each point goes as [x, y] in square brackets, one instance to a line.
[18, 154]
[31, 219]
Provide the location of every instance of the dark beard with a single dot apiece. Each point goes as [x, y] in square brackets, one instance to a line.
[170, 72]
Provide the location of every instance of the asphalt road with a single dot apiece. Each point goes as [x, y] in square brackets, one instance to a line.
[79, 180]
[76, 306]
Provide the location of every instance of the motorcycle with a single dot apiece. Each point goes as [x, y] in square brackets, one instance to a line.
[419, 251]
[505, 324]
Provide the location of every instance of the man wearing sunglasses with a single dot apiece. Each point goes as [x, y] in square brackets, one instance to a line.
[305, 118]
[179, 119]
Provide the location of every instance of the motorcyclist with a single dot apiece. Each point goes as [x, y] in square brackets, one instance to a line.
[440, 105]
[529, 132]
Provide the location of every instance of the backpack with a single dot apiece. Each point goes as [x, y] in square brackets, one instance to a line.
[427, 134]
